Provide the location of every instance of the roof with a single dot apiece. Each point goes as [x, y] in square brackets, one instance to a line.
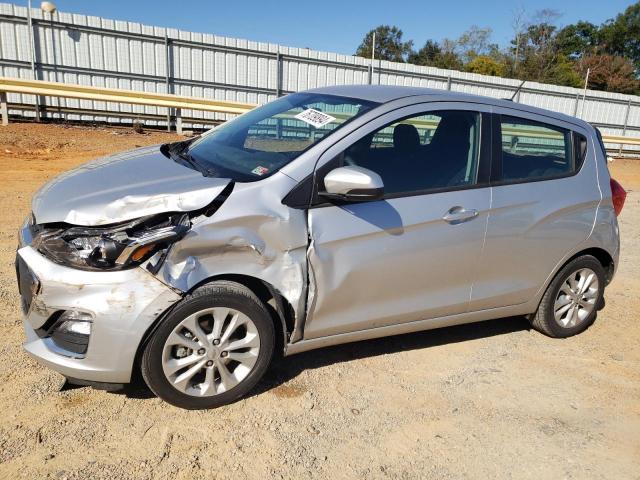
[375, 93]
[388, 93]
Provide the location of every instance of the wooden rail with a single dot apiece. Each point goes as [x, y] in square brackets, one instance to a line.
[56, 89]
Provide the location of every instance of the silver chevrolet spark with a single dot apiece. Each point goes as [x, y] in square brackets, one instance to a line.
[324, 217]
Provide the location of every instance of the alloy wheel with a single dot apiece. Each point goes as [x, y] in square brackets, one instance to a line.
[210, 352]
[576, 298]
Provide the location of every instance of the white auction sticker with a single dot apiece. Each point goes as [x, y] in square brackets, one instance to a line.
[315, 118]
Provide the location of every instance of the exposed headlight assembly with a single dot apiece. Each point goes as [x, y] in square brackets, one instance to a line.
[111, 248]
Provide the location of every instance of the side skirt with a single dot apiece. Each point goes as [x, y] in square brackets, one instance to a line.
[416, 326]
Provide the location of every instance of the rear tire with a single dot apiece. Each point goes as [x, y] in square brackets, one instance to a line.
[572, 300]
[210, 350]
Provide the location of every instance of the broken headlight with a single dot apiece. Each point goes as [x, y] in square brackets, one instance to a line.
[114, 247]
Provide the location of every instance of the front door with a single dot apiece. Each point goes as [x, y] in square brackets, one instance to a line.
[412, 255]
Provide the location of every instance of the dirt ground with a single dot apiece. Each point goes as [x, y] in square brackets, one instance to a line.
[490, 400]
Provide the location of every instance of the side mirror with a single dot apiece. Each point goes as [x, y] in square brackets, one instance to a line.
[353, 184]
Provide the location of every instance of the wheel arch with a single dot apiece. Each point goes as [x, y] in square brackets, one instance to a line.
[605, 259]
[602, 255]
[281, 310]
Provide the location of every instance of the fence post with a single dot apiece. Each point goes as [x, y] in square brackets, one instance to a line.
[4, 111]
[449, 82]
[279, 72]
[370, 73]
[179, 121]
[626, 123]
[575, 105]
[168, 69]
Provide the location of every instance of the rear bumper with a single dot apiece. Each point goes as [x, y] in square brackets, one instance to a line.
[123, 305]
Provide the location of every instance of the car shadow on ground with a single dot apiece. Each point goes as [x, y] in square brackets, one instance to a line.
[285, 369]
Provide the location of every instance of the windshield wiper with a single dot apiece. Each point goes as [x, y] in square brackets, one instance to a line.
[206, 171]
[185, 157]
[178, 151]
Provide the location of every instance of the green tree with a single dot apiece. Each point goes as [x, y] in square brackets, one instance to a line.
[563, 72]
[486, 65]
[432, 54]
[537, 51]
[621, 36]
[427, 55]
[389, 44]
[577, 40]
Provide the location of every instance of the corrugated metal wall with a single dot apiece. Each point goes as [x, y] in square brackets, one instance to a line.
[95, 51]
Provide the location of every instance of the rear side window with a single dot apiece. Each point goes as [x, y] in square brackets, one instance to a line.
[533, 150]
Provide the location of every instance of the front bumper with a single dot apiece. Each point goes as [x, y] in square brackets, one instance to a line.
[123, 304]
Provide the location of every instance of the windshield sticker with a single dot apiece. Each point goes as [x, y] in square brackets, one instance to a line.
[260, 170]
[315, 118]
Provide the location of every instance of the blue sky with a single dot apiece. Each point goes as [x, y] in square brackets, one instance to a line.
[336, 26]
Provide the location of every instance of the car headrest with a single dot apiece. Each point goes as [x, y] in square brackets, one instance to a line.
[453, 129]
[406, 137]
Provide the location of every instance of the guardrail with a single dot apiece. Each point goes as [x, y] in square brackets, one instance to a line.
[82, 92]
[56, 89]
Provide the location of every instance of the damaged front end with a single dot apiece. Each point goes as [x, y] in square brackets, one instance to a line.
[251, 237]
[115, 247]
[244, 233]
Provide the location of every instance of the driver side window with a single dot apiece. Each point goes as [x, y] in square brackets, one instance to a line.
[430, 151]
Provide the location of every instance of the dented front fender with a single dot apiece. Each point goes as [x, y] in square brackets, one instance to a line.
[253, 234]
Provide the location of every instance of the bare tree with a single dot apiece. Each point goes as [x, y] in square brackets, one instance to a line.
[474, 42]
[547, 16]
[519, 24]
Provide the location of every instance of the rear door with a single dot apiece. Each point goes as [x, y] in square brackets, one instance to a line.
[544, 202]
[411, 255]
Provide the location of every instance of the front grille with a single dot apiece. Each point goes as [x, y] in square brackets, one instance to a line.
[28, 284]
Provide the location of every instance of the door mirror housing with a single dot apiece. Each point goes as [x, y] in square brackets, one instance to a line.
[353, 184]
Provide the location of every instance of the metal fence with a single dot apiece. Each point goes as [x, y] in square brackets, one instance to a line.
[95, 51]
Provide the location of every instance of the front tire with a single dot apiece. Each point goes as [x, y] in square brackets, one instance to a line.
[570, 304]
[211, 349]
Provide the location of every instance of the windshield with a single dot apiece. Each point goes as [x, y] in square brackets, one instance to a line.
[260, 142]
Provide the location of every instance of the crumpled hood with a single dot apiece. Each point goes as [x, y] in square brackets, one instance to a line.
[123, 187]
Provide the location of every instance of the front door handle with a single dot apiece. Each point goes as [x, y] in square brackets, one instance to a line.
[459, 214]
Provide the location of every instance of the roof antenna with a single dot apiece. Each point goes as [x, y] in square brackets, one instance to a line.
[517, 91]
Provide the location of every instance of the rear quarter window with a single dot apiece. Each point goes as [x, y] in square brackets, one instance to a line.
[601, 143]
[580, 146]
[533, 150]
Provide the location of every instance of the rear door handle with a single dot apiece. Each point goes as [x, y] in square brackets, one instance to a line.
[459, 214]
